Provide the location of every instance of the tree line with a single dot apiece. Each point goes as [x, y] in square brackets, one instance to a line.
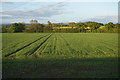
[72, 27]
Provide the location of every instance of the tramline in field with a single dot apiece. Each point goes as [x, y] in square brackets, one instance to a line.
[80, 44]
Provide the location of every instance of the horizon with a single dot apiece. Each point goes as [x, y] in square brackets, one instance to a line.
[55, 23]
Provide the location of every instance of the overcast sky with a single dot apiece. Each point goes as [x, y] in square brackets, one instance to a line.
[59, 11]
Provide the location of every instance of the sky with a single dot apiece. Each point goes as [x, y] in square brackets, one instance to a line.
[59, 12]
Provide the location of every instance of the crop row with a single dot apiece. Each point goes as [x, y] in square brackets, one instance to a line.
[16, 48]
[67, 44]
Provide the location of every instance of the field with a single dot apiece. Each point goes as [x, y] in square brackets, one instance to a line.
[60, 55]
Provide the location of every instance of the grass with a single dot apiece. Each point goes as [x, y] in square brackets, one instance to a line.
[61, 68]
[60, 55]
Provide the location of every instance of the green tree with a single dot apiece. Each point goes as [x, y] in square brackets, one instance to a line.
[72, 24]
[94, 26]
[48, 28]
[49, 24]
[54, 25]
[33, 22]
[5, 28]
[17, 27]
[109, 26]
[80, 24]
[34, 27]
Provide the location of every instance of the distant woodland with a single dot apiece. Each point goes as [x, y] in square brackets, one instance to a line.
[72, 27]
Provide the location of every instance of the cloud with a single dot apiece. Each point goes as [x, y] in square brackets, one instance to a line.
[104, 19]
[7, 2]
[44, 11]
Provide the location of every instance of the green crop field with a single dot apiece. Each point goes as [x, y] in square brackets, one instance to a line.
[60, 55]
